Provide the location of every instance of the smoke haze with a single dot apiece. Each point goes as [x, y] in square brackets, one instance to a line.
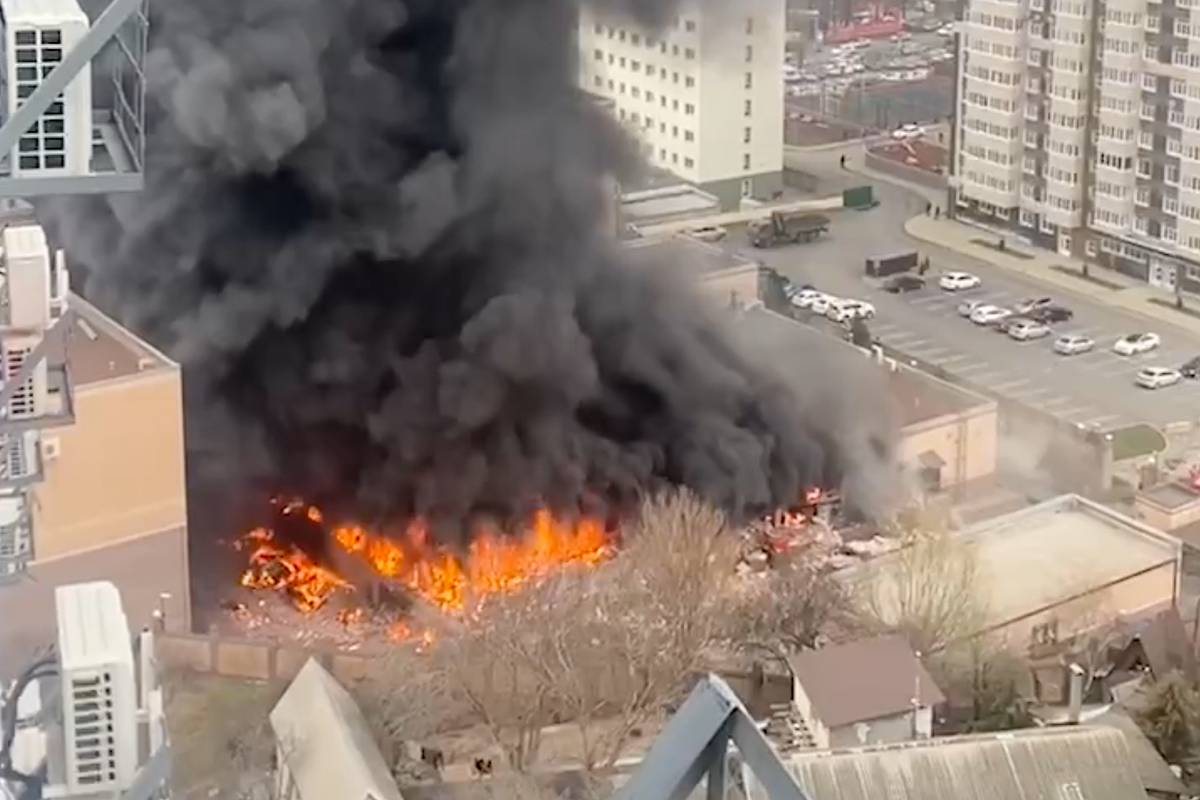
[370, 232]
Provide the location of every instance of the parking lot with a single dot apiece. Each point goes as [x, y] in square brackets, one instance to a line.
[1094, 389]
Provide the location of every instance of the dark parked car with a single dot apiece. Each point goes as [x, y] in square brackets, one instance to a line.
[1051, 314]
[1003, 325]
[903, 283]
[1191, 369]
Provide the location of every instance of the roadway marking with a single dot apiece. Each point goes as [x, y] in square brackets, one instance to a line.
[979, 365]
[1070, 413]
[952, 359]
[1053, 401]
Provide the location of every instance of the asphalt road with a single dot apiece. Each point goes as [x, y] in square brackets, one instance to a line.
[1095, 389]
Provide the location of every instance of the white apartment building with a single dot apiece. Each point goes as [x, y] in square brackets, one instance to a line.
[704, 95]
[37, 35]
[1079, 126]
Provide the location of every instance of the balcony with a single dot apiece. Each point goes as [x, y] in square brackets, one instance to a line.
[16, 536]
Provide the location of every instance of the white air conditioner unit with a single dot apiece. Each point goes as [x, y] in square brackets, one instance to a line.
[51, 448]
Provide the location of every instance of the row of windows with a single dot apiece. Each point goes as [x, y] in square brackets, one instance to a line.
[1117, 17]
[990, 181]
[1116, 75]
[1063, 148]
[990, 128]
[993, 48]
[1117, 132]
[688, 25]
[1104, 216]
[987, 101]
[994, 156]
[994, 75]
[1117, 104]
[1071, 121]
[1123, 46]
[1001, 22]
[1114, 161]
[636, 66]
[1116, 190]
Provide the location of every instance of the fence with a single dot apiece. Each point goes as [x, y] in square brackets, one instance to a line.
[931, 180]
[252, 659]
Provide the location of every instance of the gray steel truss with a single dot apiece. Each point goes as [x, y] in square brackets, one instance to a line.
[125, 24]
[695, 743]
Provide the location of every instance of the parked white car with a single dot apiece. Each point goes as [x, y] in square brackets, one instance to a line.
[804, 298]
[909, 131]
[843, 310]
[708, 233]
[1136, 343]
[989, 314]
[967, 307]
[956, 281]
[1026, 329]
[821, 303]
[1158, 377]
[1073, 344]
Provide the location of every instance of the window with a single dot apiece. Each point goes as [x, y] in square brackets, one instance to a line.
[1171, 175]
[1168, 233]
[689, 109]
[635, 39]
[674, 158]
[611, 58]
[621, 34]
[636, 92]
[599, 55]
[1149, 82]
[749, 53]
[688, 136]
[749, 80]
[745, 161]
[745, 136]
[747, 111]
[1170, 204]
[622, 61]
[1147, 111]
[1143, 167]
[689, 163]
[26, 37]
[1089, 247]
[1027, 218]
[689, 81]
[689, 53]
[690, 26]
[675, 77]
[675, 131]
[749, 25]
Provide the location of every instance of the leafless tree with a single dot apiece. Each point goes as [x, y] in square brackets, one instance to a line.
[931, 590]
[790, 608]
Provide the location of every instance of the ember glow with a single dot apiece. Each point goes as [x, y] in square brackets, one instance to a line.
[494, 562]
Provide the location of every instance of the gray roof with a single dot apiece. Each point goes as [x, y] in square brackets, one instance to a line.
[1155, 773]
[863, 680]
[1078, 763]
[326, 742]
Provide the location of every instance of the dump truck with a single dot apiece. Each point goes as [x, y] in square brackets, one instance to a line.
[782, 227]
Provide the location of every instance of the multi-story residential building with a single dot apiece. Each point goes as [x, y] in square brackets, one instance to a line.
[1079, 126]
[92, 474]
[704, 95]
[37, 36]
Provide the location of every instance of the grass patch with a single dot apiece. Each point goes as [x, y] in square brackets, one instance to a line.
[1006, 250]
[1137, 440]
[1191, 312]
[1074, 273]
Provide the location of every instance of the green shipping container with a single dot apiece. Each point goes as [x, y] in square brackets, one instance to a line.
[858, 197]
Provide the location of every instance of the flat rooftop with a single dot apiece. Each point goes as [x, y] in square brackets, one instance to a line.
[1047, 554]
[98, 349]
[915, 396]
[1171, 495]
[665, 202]
[683, 251]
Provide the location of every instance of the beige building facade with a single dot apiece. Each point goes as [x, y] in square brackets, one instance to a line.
[111, 504]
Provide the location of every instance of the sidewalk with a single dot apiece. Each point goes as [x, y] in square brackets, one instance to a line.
[1104, 286]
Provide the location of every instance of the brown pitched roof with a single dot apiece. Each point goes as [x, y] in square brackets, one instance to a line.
[863, 680]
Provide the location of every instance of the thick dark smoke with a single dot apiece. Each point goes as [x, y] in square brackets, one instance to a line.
[371, 233]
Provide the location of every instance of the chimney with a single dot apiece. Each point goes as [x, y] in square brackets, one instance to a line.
[1075, 699]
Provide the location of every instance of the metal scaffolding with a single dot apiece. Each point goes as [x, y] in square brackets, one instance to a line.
[121, 33]
[694, 747]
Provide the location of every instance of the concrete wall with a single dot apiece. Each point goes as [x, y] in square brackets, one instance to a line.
[921, 177]
[1164, 518]
[820, 732]
[885, 730]
[120, 472]
[1135, 593]
[742, 282]
[764, 186]
[141, 568]
[977, 459]
[253, 659]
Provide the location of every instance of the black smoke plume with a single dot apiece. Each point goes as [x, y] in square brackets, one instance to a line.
[371, 232]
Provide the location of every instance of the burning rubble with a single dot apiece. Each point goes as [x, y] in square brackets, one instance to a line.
[495, 562]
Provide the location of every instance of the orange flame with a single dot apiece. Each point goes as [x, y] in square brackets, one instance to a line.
[494, 563]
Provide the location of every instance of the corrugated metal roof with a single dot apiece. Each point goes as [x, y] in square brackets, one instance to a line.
[1083, 763]
[863, 680]
[326, 742]
[1154, 772]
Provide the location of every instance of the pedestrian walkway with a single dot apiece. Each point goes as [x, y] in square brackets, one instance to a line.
[1110, 288]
